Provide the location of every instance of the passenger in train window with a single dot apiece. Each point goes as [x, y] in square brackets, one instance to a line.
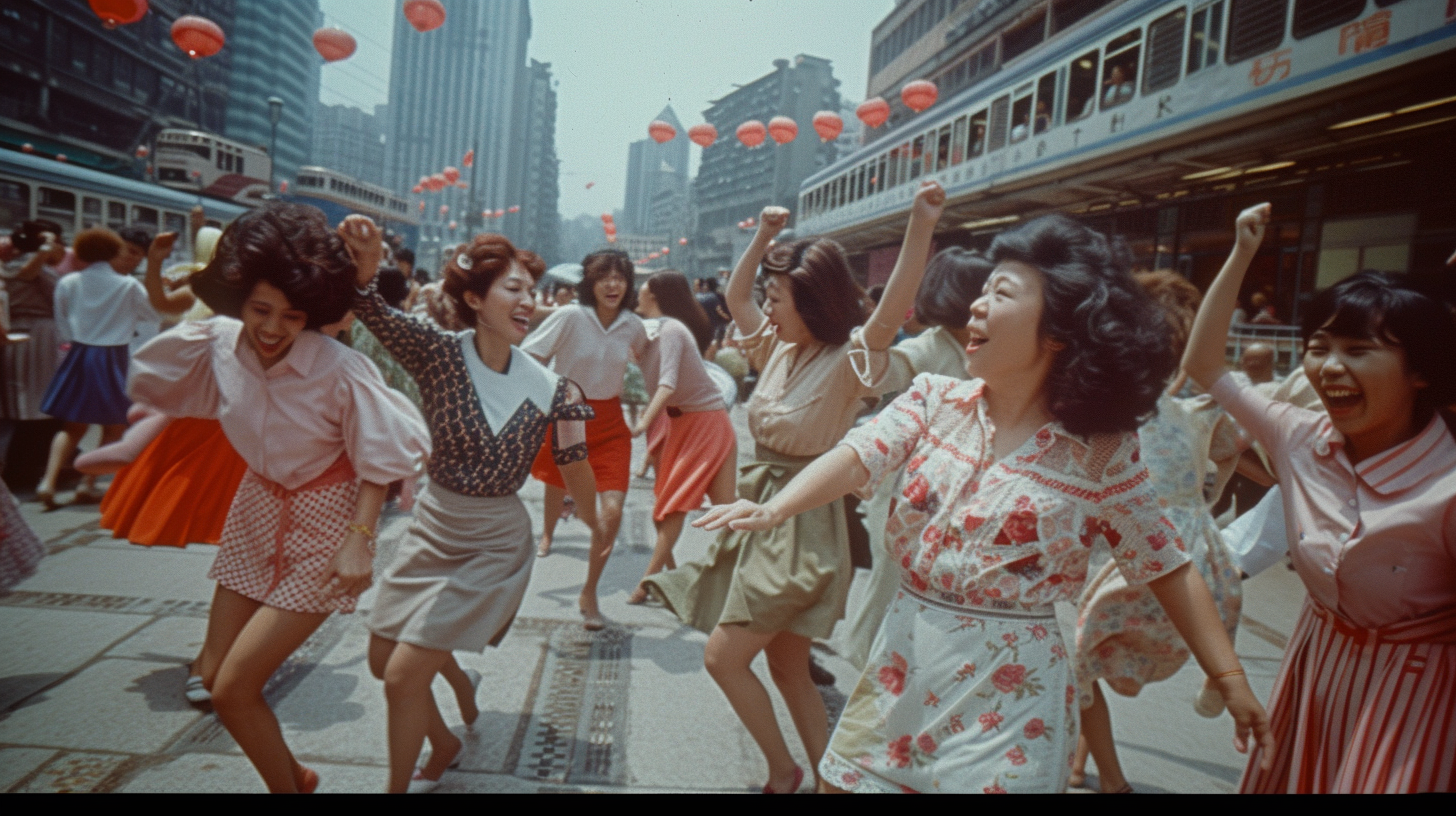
[1043, 117]
[978, 144]
[1117, 88]
[1019, 129]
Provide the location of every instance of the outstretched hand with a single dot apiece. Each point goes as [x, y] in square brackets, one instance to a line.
[365, 244]
[929, 201]
[772, 221]
[1251, 226]
[742, 516]
[161, 249]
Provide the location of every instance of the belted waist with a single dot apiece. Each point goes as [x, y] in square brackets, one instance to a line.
[1437, 627]
[955, 602]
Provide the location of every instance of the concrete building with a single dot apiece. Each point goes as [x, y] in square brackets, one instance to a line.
[350, 141]
[455, 89]
[541, 190]
[653, 168]
[67, 85]
[272, 55]
[734, 182]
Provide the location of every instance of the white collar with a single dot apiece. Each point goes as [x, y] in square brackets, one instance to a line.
[502, 395]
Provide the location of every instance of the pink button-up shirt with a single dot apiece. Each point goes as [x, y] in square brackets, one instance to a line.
[1374, 541]
[291, 422]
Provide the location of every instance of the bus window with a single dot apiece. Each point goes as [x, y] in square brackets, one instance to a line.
[115, 215]
[917, 153]
[1082, 87]
[14, 205]
[59, 206]
[90, 212]
[1204, 36]
[1000, 114]
[1165, 51]
[146, 216]
[958, 142]
[1120, 69]
[1046, 99]
[1021, 114]
[976, 139]
[942, 152]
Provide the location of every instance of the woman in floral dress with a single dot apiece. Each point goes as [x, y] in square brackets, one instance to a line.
[1012, 481]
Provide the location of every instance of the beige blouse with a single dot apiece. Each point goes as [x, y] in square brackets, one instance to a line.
[808, 395]
[934, 351]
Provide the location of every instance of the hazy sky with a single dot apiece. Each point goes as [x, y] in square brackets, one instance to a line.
[619, 62]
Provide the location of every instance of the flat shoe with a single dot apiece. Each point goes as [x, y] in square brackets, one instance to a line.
[195, 692]
[1209, 703]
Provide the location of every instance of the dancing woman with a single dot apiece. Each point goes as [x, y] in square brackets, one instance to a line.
[776, 590]
[590, 343]
[322, 436]
[700, 453]
[1366, 695]
[1011, 481]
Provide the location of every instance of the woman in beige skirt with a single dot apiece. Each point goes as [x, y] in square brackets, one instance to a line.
[461, 572]
[776, 591]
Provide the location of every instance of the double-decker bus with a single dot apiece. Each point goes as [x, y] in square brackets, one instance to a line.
[212, 166]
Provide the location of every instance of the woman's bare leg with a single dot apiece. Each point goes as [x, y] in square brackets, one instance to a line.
[610, 504]
[110, 435]
[788, 665]
[728, 659]
[62, 446]
[413, 715]
[464, 690]
[555, 500]
[725, 484]
[1097, 731]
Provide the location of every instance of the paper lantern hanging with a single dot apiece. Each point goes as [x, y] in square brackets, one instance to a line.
[514, 210]
[417, 189]
[873, 112]
[334, 44]
[703, 135]
[661, 132]
[444, 210]
[422, 206]
[424, 15]
[920, 95]
[469, 159]
[452, 175]
[27, 148]
[454, 225]
[500, 213]
[198, 36]
[828, 125]
[682, 242]
[783, 129]
[752, 133]
[115, 13]
[142, 152]
[654, 256]
[283, 188]
[607, 218]
[666, 250]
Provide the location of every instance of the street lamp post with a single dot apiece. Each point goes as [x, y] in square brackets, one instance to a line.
[275, 115]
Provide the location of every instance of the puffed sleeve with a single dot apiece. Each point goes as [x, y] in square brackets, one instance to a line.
[551, 335]
[881, 370]
[570, 414]
[1129, 521]
[384, 435]
[885, 444]
[174, 372]
[759, 346]
[414, 341]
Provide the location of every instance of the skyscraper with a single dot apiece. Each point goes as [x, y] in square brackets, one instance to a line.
[654, 169]
[272, 55]
[541, 191]
[350, 141]
[455, 89]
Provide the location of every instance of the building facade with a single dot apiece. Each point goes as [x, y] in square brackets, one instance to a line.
[541, 190]
[68, 85]
[350, 141]
[272, 55]
[653, 169]
[734, 182]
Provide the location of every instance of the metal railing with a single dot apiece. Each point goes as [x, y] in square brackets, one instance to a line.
[1285, 340]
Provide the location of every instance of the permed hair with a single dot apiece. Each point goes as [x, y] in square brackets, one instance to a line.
[96, 245]
[826, 296]
[1116, 357]
[490, 257]
[598, 266]
[953, 281]
[289, 246]
[1381, 306]
[394, 286]
[1179, 299]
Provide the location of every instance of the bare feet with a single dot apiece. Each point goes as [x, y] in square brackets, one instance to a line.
[639, 596]
[591, 614]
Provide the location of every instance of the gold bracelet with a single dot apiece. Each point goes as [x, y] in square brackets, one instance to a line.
[367, 532]
[1234, 673]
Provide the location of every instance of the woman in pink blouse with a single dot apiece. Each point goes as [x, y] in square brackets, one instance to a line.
[1009, 483]
[322, 435]
[1366, 698]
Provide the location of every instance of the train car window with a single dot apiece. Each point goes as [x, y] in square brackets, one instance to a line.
[90, 212]
[1023, 38]
[1255, 26]
[1205, 36]
[1082, 87]
[1046, 99]
[145, 216]
[176, 222]
[1000, 114]
[240, 170]
[1067, 12]
[976, 139]
[958, 142]
[59, 206]
[942, 151]
[1120, 69]
[115, 214]
[14, 204]
[1313, 16]
[1021, 113]
[916, 154]
[1165, 51]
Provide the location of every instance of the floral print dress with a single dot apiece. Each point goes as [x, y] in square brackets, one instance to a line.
[968, 687]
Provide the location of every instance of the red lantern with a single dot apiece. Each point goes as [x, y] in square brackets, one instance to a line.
[661, 132]
[703, 135]
[666, 250]
[607, 218]
[61, 157]
[334, 44]
[417, 189]
[283, 188]
[654, 256]
[828, 125]
[422, 206]
[452, 175]
[437, 183]
[752, 133]
[514, 210]
[454, 225]
[500, 213]
[611, 239]
[142, 152]
[198, 36]
[444, 209]
[115, 13]
[469, 159]
[424, 15]
[683, 241]
[27, 148]
[920, 95]
[783, 129]
[873, 112]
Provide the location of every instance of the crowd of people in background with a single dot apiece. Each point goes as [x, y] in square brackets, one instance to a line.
[1013, 428]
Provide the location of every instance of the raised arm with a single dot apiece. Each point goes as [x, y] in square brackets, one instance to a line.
[904, 284]
[1204, 359]
[411, 340]
[834, 475]
[746, 314]
[51, 253]
[168, 303]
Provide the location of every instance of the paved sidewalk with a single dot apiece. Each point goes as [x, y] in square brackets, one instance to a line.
[93, 651]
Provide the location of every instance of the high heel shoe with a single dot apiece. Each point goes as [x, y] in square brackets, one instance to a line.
[798, 780]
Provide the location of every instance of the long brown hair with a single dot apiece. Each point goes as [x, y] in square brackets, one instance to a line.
[675, 299]
[826, 296]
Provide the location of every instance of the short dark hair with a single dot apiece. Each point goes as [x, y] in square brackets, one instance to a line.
[96, 245]
[293, 248]
[1117, 357]
[826, 296]
[28, 237]
[490, 257]
[675, 299]
[404, 255]
[599, 265]
[394, 287]
[953, 281]
[711, 284]
[136, 236]
[1378, 305]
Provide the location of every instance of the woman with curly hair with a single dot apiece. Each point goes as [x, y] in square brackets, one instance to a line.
[1012, 481]
[777, 590]
[322, 436]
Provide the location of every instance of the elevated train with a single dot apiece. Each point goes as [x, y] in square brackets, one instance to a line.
[339, 196]
[1148, 101]
[197, 162]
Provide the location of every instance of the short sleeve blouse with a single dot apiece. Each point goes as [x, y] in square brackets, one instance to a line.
[577, 346]
[672, 359]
